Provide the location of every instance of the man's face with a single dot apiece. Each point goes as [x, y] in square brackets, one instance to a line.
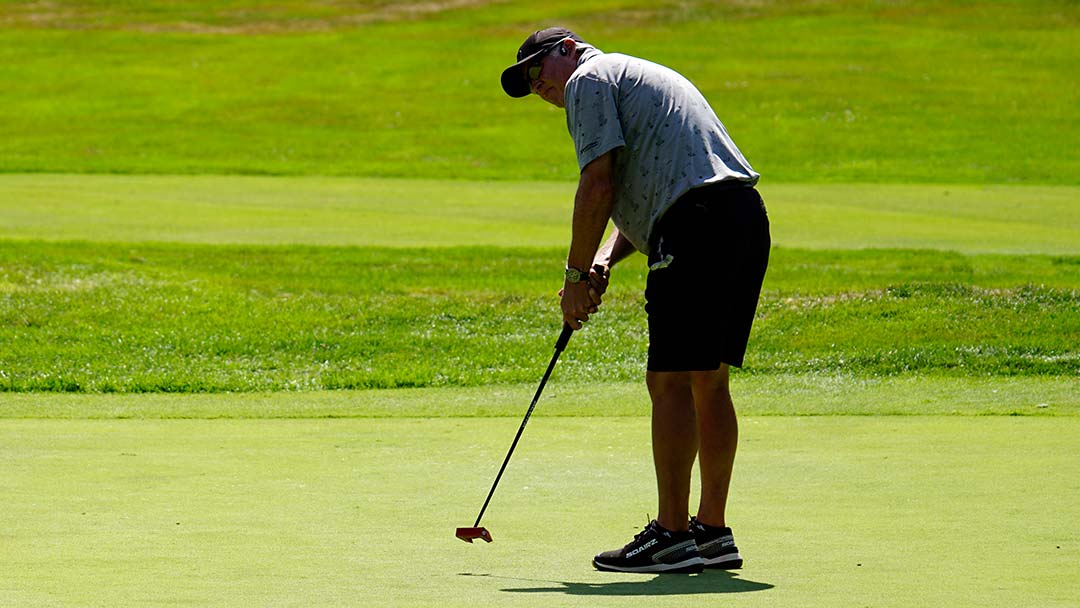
[550, 76]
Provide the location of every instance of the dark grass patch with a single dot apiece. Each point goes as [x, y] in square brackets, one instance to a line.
[79, 317]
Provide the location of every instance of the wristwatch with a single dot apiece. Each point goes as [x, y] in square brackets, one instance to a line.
[573, 275]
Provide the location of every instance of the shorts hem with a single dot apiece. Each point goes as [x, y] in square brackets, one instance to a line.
[691, 367]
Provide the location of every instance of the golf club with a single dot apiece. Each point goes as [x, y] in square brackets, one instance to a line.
[476, 531]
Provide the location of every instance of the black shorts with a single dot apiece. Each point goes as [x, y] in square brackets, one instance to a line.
[709, 255]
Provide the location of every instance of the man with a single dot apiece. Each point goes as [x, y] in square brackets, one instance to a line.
[658, 163]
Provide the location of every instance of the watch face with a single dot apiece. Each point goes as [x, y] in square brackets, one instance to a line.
[574, 275]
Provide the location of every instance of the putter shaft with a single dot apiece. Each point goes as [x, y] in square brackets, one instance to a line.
[560, 345]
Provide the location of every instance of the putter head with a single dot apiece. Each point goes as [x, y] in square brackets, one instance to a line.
[470, 534]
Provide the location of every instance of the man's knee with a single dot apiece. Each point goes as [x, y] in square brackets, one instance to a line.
[667, 383]
[670, 391]
[712, 382]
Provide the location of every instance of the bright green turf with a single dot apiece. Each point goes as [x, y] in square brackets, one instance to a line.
[310, 211]
[833, 511]
[565, 396]
[397, 212]
[855, 90]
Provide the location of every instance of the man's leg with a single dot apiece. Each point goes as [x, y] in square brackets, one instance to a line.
[675, 444]
[693, 415]
[666, 544]
[718, 432]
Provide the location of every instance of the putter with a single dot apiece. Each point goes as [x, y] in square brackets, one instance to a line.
[477, 532]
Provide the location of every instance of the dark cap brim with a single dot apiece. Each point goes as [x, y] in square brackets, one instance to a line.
[515, 81]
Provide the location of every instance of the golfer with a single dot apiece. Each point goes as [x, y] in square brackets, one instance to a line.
[657, 162]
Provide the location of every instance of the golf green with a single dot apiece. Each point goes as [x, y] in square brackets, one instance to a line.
[828, 511]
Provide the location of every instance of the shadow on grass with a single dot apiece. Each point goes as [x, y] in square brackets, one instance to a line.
[708, 582]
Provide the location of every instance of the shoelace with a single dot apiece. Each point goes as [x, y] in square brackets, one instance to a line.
[648, 526]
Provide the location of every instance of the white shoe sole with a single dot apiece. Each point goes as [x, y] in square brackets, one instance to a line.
[731, 561]
[688, 566]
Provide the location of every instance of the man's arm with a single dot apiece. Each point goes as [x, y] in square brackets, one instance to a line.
[615, 249]
[593, 205]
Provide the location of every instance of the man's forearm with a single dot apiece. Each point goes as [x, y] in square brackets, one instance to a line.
[590, 220]
[614, 250]
[593, 204]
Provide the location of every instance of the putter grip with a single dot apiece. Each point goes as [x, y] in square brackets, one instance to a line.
[564, 337]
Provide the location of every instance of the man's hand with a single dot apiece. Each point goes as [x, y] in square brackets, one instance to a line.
[599, 275]
[579, 300]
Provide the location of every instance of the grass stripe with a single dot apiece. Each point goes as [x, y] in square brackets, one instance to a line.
[409, 213]
[782, 395]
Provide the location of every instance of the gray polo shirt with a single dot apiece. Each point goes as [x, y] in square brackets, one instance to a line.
[670, 137]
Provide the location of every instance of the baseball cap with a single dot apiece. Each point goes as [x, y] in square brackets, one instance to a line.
[514, 79]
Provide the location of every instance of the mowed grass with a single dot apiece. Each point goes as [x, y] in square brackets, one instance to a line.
[828, 511]
[913, 91]
[799, 394]
[436, 213]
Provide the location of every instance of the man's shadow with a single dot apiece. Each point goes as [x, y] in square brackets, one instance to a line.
[708, 582]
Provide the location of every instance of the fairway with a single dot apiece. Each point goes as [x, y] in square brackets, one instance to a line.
[440, 213]
[829, 511]
[845, 91]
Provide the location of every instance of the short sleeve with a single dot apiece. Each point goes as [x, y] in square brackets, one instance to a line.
[592, 116]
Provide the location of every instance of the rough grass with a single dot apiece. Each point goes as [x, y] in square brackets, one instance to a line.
[188, 318]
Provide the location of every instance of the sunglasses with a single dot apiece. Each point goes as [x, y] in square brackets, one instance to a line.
[533, 72]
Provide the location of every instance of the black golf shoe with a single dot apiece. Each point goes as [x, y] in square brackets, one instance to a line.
[717, 546]
[654, 549]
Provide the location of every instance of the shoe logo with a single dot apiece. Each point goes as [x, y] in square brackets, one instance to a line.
[642, 548]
